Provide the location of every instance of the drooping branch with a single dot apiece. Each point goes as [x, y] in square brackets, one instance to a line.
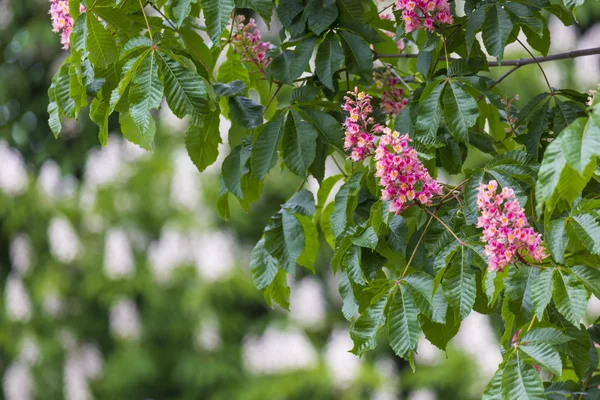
[514, 63]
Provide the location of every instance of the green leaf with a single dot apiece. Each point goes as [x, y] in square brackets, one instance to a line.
[217, 14]
[146, 92]
[180, 9]
[351, 10]
[470, 196]
[202, 141]
[264, 8]
[329, 129]
[234, 166]
[329, 59]
[351, 262]
[324, 190]
[539, 43]
[493, 391]
[585, 228]
[197, 48]
[536, 126]
[570, 299]
[589, 276]
[349, 303]
[556, 239]
[245, 112]
[550, 336]
[459, 284]
[404, 329]
[54, 114]
[301, 56]
[581, 143]
[570, 4]
[233, 69]
[545, 356]
[133, 133]
[299, 144]
[345, 202]
[440, 334]
[187, 92]
[263, 266]
[278, 291]
[284, 239]
[549, 173]
[321, 14]
[264, 149]
[99, 114]
[521, 381]
[101, 45]
[431, 305]
[369, 323]
[311, 242]
[396, 237]
[287, 10]
[497, 26]
[359, 58]
[541, 292]
[474, 23]
[430, 112]
[460, 111]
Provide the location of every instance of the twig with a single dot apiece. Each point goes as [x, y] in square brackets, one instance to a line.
[338, 165]
[497, 81]
[273, 96]
[537, 62]
[446, 53]
[164, 16]
[146, 19]
[512, 63]
[416, 247]
[445, 226]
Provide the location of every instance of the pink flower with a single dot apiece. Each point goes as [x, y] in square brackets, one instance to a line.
[247, 42]
[505, 228]
[62, 22]
[424, 13]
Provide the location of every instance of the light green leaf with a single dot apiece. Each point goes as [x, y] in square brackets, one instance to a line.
[217, 14]
[133, 133]
[556, 239]
[263, 266]
[404, 328]
[180, 9]
[569, 297]
[311, 242]
[284, 239]
[202, 141]
[234, 166]
[264, 149]
[345, 202]
[459, 284]
[145, 93]
[369, 323]
[589, 276]
[460, 111]
[521, 381]
[330, 58]
[299, 144]
[541, 292]
[278, 291]
[431, 305]
[493, 391]
[545, 356]
[100, 44]
[585, 229]
[581, 143]
[550, 336]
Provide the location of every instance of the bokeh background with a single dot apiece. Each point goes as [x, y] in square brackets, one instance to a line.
[119, 281]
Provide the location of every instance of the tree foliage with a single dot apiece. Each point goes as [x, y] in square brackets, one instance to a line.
[422, 271]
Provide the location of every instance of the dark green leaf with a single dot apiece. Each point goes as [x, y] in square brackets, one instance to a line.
[234, 166]
[474, 23]
[180, 9]
[589, 276]
[431, 305]
[459, 284]
[359, 58]
[321, 14]
[264, 149]
[101, 45]
[497, 26]
[146, 92]
[369, 323]
[287, 10]
[329, 129]
[284, 239]
[569, 297]
[263, 266]
[202, 141]
[521, 381]
[460, 111]
[541, 292]
[345, 201]
[299, 144]
[217, 14]
[245, 112]
[404, 329]
[302, 54]
[330, 58]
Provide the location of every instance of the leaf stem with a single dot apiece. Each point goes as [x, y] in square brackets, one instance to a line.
[446, 53]
[537, 62]
[412, 256]
[279, 85]
[445, 226]
[164, 16]
[338, 165]
[146, 19]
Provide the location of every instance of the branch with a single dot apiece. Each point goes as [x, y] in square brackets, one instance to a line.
[514, 63]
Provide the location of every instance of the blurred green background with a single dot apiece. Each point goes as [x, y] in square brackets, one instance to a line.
[120, 282]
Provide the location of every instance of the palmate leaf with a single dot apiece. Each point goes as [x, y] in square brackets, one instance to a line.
[299, 144]
[301, 56]
[404, 328]
[146, 92]
[521, 381]
[202, 140]
[217, 14]
[460, 111]
[329, 129]
[473, 25]
[264, 149]
[359, 57]
[128, 72]
[187, 92]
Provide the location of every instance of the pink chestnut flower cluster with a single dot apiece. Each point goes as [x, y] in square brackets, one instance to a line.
[62, 21]
[506, 230]
[392, 97]
[399, 43]
[360, 127]
[247, 41]
[424, 13]
[401, 173]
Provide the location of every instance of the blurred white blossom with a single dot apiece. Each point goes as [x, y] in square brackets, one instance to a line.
[13, 176]
[52, 304]
[30, 353]
[75, 384]
[171, 250]
[422, 394]
[208, 336]
[278, 351]
[213, 254]
[307, 303]
[49, 179]
[18, 304]
[17, 382]
[427, 354]
[477, 339]
[20, 253]
[125, 319]
[185, 182]
[118, 257]
[63, 240]
[343, 366]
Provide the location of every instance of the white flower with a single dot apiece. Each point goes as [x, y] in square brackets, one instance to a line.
[52, 304]
[278, 351]
[185, 183]
[171, 250]
[18, 304]
[49, 179]
[91, 360]
[307, 303]
[118, 257]
[17, 382]
[477, 339]
[343, 366]
[213, 253]
[20, 253]
[427, 354]
[75, 383]
[422, 394]
[13, 176]
[125, 320]
[63, 240]
[30, 352]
